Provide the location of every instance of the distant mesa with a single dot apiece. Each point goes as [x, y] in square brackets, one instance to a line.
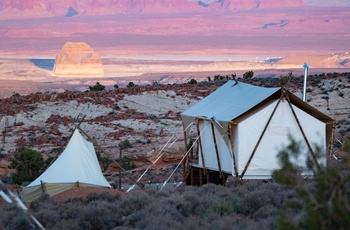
[78, 59]
[69, 8]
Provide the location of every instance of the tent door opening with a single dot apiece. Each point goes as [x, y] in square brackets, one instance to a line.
[197, 177]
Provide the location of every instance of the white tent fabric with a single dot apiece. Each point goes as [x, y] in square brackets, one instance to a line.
[76, 166]
[249, 108]
[209, 151]
[282, 125]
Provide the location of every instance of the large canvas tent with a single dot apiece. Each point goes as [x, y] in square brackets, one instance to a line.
[240, 128]
[77, 166]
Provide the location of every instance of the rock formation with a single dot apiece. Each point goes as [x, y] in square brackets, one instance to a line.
[78, 59]
[47, 8]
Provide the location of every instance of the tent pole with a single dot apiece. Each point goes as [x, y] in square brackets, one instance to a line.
[200, 145]
[119, 169]
[332, 141]
[216, 148]
[233, 152]
[185, 165]
[260, 138]
[192, 176]
[42, 186]
[302, 131]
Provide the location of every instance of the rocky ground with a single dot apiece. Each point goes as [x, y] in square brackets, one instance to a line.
[148, 116]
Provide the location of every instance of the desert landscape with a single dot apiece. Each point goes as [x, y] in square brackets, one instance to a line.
[172, 47]
[173, 53]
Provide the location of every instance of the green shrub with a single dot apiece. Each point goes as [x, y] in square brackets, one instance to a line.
[248, 75]
[104, 160]
[323, 201]
[131, 85]
[127, 164]
[29, 164]
[97, 87]
[192, 81]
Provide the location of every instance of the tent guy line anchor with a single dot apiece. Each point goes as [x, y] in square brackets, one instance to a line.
[182, 159]
[159, 156]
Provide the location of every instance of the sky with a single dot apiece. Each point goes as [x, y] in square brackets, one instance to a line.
[328, 2]
[309, 2]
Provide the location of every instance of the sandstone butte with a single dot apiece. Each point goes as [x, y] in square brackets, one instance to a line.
[78, 59]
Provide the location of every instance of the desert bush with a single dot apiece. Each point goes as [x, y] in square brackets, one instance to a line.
[131, 85]
[7, 180]
[135, 202]
[347, 144]
[97, 87]
[127, 164]
[285, 80]
[105, 161]
[192, 81]
[44, 201]
[48, 218]
[202, 207]
[125, 144]
[154, 223]
[11, 217]
[218, 77]
[251, 205]
[104, 196]
[248, 75]
[29, 164]
[14, 94]
[323, 201]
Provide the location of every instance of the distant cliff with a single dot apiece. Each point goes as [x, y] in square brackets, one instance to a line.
[68, 8]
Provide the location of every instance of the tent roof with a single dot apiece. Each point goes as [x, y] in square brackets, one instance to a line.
[234, 99]
[229, 101]
[77, 163]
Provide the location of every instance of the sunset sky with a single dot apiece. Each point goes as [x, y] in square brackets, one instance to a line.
[328, 2]
[309, 2]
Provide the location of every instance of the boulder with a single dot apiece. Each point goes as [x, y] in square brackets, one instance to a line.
[77, 59]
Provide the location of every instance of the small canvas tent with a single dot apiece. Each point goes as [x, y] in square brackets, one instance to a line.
[240, 129]
[77, 166]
